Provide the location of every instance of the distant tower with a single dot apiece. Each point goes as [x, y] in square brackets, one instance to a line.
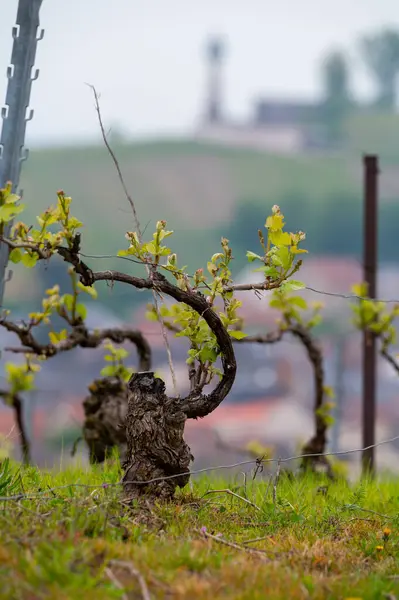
[215, 54]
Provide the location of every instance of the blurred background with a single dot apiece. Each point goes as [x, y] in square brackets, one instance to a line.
[216, 110]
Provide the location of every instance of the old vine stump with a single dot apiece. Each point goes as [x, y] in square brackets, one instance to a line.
[155, 445]
[105, 413]
[315, 449]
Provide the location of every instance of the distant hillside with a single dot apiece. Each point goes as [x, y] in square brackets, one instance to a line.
[182, 180]
[194, 186]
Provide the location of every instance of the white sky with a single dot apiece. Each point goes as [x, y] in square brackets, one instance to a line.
[146, 57]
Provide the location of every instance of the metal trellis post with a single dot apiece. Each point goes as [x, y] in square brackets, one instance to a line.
[14, 113]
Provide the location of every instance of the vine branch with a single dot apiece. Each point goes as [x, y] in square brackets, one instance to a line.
[195, 404]
[391, 360]
[79, 336]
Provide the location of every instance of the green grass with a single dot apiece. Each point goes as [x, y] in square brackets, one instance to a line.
[317, 540]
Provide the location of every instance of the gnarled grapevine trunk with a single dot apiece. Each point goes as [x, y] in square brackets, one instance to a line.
[105, 413]
[106, 407]
[155, 423]
[316, 446]
[156, 449]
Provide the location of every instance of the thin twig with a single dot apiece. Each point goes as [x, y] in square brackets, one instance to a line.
[32, 512]
[9, 434]
[114, 159]
[231, 493]
[361, 519]
[138, 229]
[266, 338]
[115, 581]
[264, 286]
[221, 540]
[167, 345]
[136, 573]
[258, 539]
[391, 360]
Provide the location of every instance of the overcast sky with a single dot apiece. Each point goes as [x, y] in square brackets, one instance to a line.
[146, 57]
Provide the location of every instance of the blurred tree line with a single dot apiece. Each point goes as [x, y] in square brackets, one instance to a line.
[379, 53]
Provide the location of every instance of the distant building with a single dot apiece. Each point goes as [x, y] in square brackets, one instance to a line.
[279, 125]
[215, 55]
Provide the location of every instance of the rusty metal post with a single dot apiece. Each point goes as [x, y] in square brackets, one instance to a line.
[370, 246]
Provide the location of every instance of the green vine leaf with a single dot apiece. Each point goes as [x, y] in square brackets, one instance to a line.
[251, 256]
[90, 290]
[15, 255]
[81, 310]
[237, 335]
[29, 260]
[108, 371]
[292, 286]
